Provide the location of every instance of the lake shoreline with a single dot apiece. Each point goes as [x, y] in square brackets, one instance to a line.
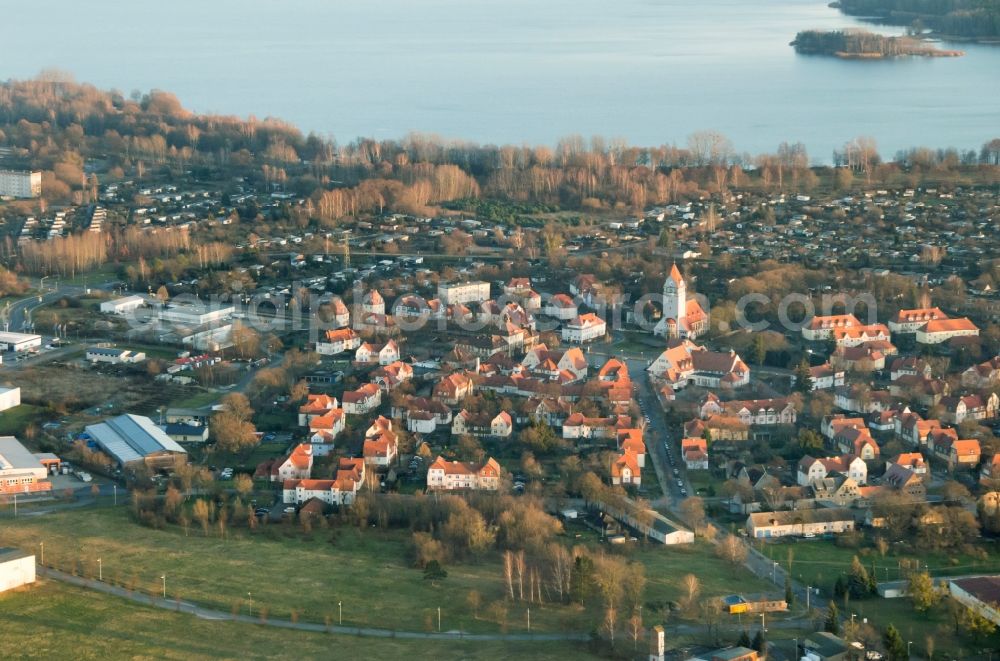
[864, 45]
[879, 56]
[888, 20]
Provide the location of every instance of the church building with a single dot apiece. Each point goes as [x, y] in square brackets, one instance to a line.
[682, 318]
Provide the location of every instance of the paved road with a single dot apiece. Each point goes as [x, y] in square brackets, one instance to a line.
[656, 433]
[18, 314]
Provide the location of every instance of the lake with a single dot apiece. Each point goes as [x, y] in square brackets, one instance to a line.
[516, 71]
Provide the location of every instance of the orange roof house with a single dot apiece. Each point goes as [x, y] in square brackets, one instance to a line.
[626, 470]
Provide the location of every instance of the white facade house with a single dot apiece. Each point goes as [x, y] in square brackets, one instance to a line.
[445, 475]
[338, 341]
[366, 398]
[464, 292]
[584, 328]
[942, 330]
[909, 321]
[562, 307]
[822, 327]
[122, 305]
[20, 183]
[17, 568]
[812, 469]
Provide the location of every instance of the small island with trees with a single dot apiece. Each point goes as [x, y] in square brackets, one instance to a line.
[864, 45]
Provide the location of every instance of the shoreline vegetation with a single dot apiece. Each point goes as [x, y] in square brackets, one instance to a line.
[864, 45]
[955, 20]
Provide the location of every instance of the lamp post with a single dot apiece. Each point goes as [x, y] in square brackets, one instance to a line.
[774, 568]
[908, 643]
[529, 620]
[250, 597]
[41, 550]
[164, 579]
[340, 613]
[100, 570]
[809, 590]
[795, 652]
[439, 619]
[763, 624]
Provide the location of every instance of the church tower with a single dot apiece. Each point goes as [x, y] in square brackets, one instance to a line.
[675, 297]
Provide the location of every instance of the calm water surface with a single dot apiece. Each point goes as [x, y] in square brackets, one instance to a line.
[514, 71]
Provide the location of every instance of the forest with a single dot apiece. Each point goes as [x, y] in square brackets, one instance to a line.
[80, 137]
[970, 19]
[863, 45]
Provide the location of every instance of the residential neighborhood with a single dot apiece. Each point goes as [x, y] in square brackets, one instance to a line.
[599, 399]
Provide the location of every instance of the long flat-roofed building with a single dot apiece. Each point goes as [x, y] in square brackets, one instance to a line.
[19, 341]
[132, 439]
[980, 593]
[123, 305]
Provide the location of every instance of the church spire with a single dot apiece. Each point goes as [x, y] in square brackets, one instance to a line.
[675, 274]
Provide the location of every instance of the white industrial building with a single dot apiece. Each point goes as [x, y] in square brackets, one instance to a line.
[9, 398]
[114, 356]
[19, 341]
[123, 305]
[17, 568]
[464, 292]
[210, 339]
[20, 183]
[196, 314]
[130, 439]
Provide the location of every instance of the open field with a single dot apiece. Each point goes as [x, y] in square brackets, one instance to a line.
[287, 571]
[196, 399]
[14, 421]
[819, 562]
[55, 621]
[665, 568]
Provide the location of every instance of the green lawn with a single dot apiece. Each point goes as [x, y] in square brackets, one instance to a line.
[13, 421]
[819, 562]
[701, 481]
[916, 627]
[370, 571]
[665, 566]
[196, 400]
[55, 621]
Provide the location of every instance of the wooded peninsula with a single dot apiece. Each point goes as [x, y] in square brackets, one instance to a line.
[864, 45]
[975, 20]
